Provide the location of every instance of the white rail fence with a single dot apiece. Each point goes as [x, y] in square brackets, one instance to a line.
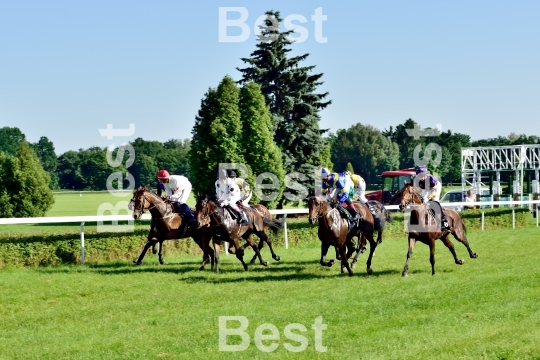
[116, 218]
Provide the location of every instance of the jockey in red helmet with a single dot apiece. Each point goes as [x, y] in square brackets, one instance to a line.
[177, 188]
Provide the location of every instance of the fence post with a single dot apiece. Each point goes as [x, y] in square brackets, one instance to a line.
[82, 243]
[285, 231]
[482, 219]
[513, 218]
[226, 247]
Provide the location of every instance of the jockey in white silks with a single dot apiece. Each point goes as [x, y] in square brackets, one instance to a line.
[228, 194]
[177, 188]
[245, 189]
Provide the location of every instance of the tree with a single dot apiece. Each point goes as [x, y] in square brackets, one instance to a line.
[290, 92]
[217, 134]
[368, 151]
[10, 139]
[47, 157]
[24, 184]
[68, 171]
[407, 142]
[259, 149]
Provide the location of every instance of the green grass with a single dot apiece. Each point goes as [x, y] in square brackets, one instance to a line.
[485, 309]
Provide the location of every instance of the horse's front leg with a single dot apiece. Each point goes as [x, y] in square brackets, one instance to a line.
[412, 241]
[217, 246]
[263, 237]
[139, 260]
[432, 256]
[239, 252]
[324, 250]
[344, 261]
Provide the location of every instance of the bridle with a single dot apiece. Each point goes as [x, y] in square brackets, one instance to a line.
[411, 198]
[320, 214]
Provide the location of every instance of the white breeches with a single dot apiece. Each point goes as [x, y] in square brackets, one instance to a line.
[435, 192]
[360, 191]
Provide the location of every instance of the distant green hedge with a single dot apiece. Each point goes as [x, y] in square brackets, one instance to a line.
[64, 248]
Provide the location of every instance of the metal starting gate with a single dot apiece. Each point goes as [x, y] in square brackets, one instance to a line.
[480, 164]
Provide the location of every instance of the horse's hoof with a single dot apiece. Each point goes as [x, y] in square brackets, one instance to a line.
[331, 262]
[404, 274]
[201, 268]
[245, 267]
[264, 263]
[460, 262]
[474, 256]
[353, 265]
[343, 268]
[162, 262]
[351, 273]
[138, 263]
[252, 262]
[275, 257]
[369, 271]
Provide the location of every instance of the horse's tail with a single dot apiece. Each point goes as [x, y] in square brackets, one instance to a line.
[388, 215]
[273, 224]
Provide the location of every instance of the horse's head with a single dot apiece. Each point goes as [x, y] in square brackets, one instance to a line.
[139, 203]
[317, 207]
[203, 208]
[409, 196]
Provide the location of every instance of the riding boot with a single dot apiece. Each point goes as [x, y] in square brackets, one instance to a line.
[444, 221]
[242, 218]
[355, 217]
[188, 214]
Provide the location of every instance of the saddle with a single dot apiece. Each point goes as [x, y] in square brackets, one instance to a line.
[345, 214]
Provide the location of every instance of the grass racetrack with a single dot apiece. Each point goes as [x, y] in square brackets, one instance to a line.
[484, 309]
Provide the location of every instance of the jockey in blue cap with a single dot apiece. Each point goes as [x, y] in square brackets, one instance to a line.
[431, 190]
[341, 189]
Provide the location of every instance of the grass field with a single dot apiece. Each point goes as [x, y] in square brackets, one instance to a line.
[485, 309]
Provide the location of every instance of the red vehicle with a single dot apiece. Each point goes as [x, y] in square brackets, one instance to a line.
[392, 182]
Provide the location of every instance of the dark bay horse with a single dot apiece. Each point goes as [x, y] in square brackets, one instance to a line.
[334, 230]
[168, 225]
[209, 212]
[424, 227]
[265, 213]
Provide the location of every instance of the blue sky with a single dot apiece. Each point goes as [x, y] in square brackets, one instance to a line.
[70, 68]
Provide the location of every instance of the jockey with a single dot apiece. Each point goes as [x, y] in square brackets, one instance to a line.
[431, 191]
[360, 189]
[245, 189]
[228, 194]
[177, 188]
[342, 190]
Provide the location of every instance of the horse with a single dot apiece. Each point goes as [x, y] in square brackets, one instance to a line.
[265, 213]
[168, 225]
[334, 230]
[423, 227]
[228, 229]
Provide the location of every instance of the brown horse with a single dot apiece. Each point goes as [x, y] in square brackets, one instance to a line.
[167, 225]
[423, 226]
[334, 230]
[265, 213]
[228, 229]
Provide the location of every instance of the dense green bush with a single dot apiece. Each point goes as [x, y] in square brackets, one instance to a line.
[62, 248]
